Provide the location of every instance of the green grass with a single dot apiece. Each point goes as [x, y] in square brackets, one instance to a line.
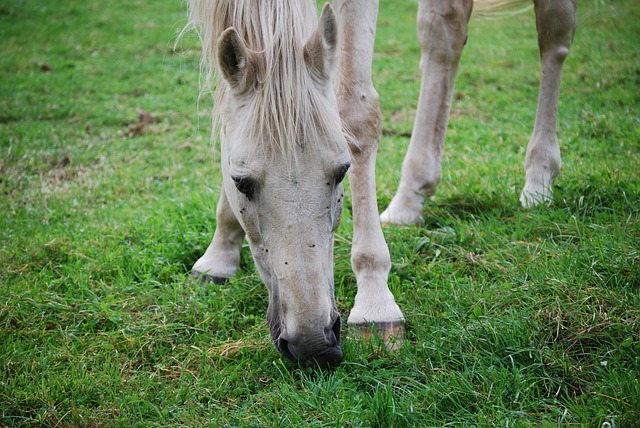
[515, 317]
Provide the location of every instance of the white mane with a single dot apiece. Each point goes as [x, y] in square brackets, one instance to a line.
[286, 109]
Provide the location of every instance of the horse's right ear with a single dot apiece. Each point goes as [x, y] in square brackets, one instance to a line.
[321, 51]
[234, 60]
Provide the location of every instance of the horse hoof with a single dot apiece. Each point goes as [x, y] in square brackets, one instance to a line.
[204, 278]
[400, 218]
[530, 199]
[392, 333]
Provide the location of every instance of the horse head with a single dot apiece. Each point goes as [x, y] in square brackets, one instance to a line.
[284, 157]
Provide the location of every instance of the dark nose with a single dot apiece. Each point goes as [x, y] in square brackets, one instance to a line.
[320, 351]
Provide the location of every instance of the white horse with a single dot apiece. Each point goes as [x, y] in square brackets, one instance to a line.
[296, 109]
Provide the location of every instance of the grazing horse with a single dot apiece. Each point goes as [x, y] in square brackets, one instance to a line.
[296, 110]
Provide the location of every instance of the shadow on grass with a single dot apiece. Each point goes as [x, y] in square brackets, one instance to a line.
[598, 194]
[465, 207]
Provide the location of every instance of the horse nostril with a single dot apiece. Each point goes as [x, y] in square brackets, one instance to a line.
[287, 349]
[333, 335]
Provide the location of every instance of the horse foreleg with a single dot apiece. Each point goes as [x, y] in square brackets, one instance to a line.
[442, 33]
[556, 22]
[222, 259]
[375, 310]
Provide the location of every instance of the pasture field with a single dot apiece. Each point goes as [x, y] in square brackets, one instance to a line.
[108, 185]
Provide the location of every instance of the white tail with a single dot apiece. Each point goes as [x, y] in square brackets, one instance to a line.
[499, 8]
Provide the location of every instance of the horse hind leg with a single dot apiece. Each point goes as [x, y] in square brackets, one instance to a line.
[221, 260]
[556, 24]
[442, 33]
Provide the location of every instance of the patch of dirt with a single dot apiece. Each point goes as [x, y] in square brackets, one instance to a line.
[143, 125]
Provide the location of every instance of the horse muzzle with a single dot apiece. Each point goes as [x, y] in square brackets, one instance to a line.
[316, 350]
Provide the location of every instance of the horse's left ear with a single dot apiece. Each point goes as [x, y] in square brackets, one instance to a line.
[321, 50]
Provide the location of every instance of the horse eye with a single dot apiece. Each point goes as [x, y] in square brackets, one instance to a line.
[245, 185]
[342, 171]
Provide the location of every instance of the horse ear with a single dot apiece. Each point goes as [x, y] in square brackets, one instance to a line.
[321, 50]
[234, 60]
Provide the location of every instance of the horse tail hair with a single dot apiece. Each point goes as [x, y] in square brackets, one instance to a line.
[500, 8]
